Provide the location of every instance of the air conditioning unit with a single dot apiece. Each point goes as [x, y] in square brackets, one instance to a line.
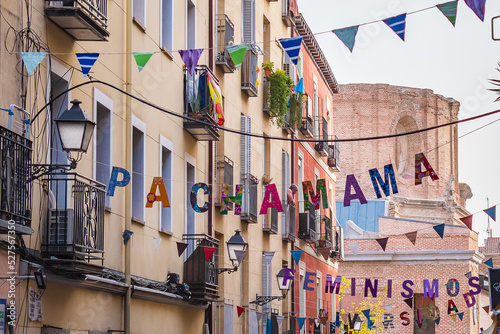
[307, 226]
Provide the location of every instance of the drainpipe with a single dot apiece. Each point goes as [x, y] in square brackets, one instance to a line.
[128, 164]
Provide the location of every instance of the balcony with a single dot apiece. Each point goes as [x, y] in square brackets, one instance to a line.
[74, 222]
[84, 20]
[249, 205]
[249, 73]
[325, 237]
[266, 89]
[307, 128]
[199, 106]
[337, 252]
[200, 275]
[334, 156]
[286, 13]
[225, 36]
[270, 221]
[15, 194]
[288, 216]
[321, 146]
[307, 226]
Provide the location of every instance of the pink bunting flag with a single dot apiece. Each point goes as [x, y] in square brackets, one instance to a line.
[240, 310]
[209, 251]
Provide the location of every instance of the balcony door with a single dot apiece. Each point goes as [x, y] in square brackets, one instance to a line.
[59, 83]
[190, 227]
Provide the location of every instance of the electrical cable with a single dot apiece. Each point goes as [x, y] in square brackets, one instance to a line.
[172, 113]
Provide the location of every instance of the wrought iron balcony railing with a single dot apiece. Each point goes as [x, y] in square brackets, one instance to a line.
[334, 156]
[200, 275]
[270, 221]
[84, 20]
[249, 200]
[15, 194]
[307, 226]
[198, 104]
[249, 73]
[321, 146]
[325, 237]
[74, 225]
[225, 37]
[288, 215]
[307, 127]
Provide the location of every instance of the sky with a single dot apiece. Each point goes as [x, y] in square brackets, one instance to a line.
[455, 62]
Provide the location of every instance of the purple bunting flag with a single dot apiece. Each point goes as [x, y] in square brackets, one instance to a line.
[478, 7]
[190, 58]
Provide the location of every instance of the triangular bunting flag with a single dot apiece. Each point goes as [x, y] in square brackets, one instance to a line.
[269, 256]
[492, 212]
[486, 309]
[412, 236]
[237, 53]
[87, 60]
[181, 247]
[126, 236]
[142, 58]
[388, 308]
[325, 252]
[495, 312]
[477, 7]
[240, 254]
[299, 87]
[397, 24]
[454, 316]
[366, 313]
[296, 255]
[354, 247]
[383, 242]
[461, 315]
[449, 10]
[316, 322]
[279, 318]
[156, 242]
[209, 251]
[489, 262]
[259, 315]
[467, 221]
[437, 320]
[347, 36]
[240, 310]
[32, 60]
[190, 58]
[300, 322]
[469, 274]
[409, 302]
[292, 47]
[439, 230]
[323, 320]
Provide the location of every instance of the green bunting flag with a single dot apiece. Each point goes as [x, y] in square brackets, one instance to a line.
[237, 53]
[142, 58]
[449, 10]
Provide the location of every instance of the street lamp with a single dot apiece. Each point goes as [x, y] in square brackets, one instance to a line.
[357, 324]
[283, 286]
[236, 248]
[75, 131]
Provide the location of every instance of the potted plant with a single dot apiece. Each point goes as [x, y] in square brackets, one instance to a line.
[268, 67]
[279, 90]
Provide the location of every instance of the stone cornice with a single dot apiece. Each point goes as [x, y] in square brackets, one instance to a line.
[423, 255]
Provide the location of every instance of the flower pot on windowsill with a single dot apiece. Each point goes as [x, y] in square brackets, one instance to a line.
[267, 72]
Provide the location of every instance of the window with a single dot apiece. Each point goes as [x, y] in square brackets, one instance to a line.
[138, 169]
[315, 110]
[166, 149]
[191, 25]
[167, 25]
[139, 12]
[249, 200]
[266, 288]
[248, 21]
[103, 111]
[300, 193]
[266, 28]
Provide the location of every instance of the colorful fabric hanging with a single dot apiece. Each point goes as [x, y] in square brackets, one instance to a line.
[215, 93]
[190, 58]
[299, 88]
[87, 60]
[292, 47]
[347, 36]
[397, 24]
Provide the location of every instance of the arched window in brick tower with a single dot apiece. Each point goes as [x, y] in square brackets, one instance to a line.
[406, 147]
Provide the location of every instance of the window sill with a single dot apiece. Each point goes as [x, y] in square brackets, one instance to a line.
[167, 233]
[139, 24]
[138, 221]
[168, 53]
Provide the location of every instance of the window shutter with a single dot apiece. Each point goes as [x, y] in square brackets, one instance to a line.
[248, 21]
[266, 291]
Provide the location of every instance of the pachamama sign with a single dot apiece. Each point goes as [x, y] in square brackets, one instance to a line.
[271, 196]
